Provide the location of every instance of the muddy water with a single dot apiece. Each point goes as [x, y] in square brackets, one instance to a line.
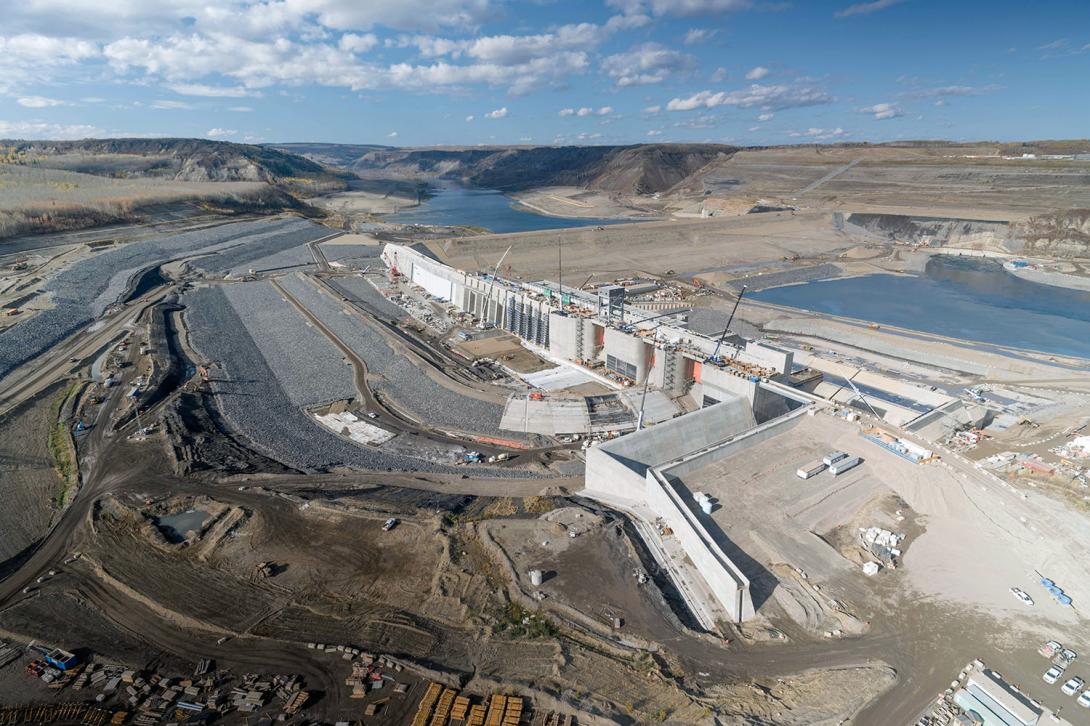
[176, 526]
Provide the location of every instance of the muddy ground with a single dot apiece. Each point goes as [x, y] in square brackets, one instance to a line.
[30, 487]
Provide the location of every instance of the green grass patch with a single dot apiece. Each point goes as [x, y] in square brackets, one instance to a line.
[519, 622]
[61, 453]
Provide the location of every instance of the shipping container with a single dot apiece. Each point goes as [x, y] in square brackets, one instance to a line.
[843, 465]
[830, 459]
[812, 469]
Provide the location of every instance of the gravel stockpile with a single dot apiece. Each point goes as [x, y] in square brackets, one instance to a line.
[307, 365]
[82, 291]
[362, 292]
[349, 252]
[296, 233]
[400, 379]
[253, 402]
[294, 257]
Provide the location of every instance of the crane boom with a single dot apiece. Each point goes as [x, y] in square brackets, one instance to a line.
[737, 300]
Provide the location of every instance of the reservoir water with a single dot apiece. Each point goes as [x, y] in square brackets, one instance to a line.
[457, 205]
[969, 298]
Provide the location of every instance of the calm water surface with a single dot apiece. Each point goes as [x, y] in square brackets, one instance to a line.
[456, 205]
[970, 298]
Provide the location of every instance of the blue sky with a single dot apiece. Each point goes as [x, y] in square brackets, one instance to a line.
[430, 72]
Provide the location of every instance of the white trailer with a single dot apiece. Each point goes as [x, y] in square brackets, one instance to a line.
[812, 469]
[830, 459]
[843, 465]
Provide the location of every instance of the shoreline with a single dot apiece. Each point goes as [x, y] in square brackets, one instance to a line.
[1052, 279]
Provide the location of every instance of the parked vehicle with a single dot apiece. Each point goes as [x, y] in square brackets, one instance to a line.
[1021, 595]
[1084, 699]
[1053, 674]
[1073, 686]
[389, 524]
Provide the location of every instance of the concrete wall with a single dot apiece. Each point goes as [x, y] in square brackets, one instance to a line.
[723, 384]
[769, 356]
[564, 333]
[662, 443]
[630, 349]
[726, 581]
[639, 467]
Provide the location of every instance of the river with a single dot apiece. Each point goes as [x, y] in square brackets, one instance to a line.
[968, 298]
[452, 205]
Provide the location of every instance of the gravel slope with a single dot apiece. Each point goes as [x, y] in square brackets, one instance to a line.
[83, 291]
[395, 375]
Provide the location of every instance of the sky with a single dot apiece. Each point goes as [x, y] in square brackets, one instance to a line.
[469, 72]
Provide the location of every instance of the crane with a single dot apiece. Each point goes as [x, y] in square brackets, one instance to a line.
[715, 356]
[495, 274]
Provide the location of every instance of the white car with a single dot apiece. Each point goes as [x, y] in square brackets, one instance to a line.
[1022, 596]
[1072, 687]
[1084, 699]
[1053, 674]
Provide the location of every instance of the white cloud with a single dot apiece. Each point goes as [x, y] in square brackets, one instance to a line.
[653, 109]
[951, 91]
[173, 106]
[754, 128]
[698, 35]
[766, 117]
[819, 134]
[218, 133]
[200, 89]
[470, 118]
[655, 132]
[882, 111]
[498, 113]
[241, 109]
[392, 135]
[247, 17]
[768, 98]
[645, 64]
[756, 74]
[866, 8]
[719, 75]
[587, 111]
[627, 22]
[39, 102]
[36, 130]
[28, 59]
[679, 7]
[258, 64]
[354, 43]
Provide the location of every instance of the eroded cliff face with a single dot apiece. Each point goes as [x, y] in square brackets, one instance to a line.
[1064, 234]
[936, 231]
[1058, 234]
